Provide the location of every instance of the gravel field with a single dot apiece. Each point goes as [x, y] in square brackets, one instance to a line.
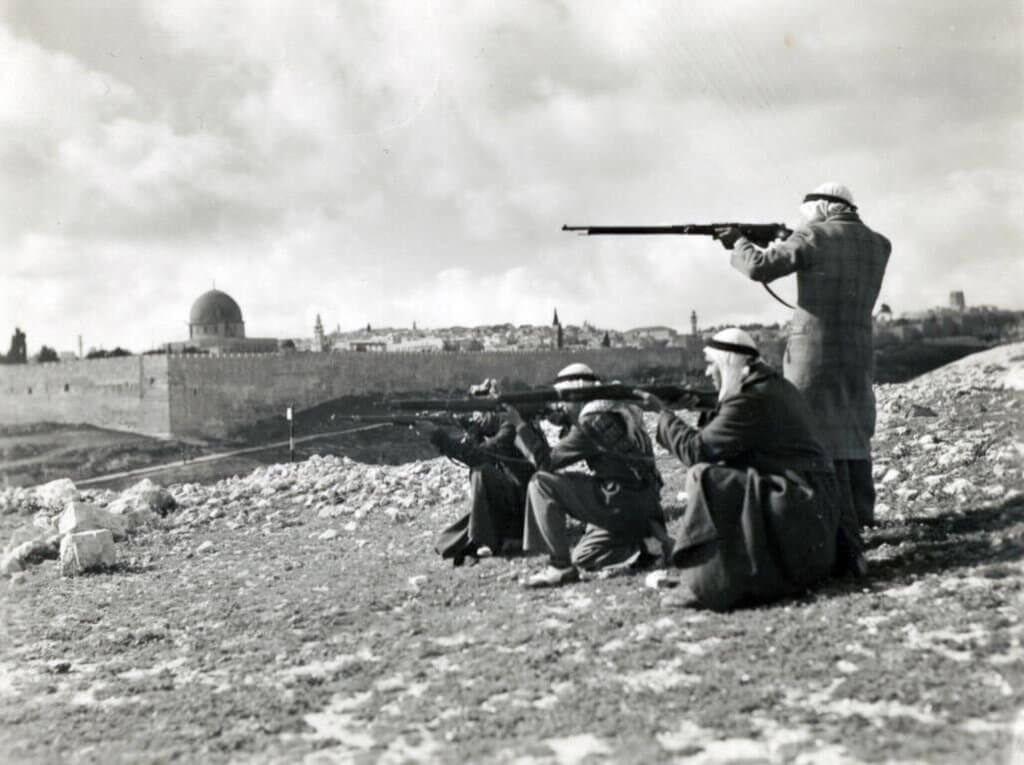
[297, 613]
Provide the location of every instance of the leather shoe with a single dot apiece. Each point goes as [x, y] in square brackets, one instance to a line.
[553, 577]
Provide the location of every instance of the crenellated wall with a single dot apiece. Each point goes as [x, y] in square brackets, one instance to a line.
[209, 396]
[124, 393]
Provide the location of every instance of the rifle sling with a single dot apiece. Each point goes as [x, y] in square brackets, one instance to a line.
[772, 293]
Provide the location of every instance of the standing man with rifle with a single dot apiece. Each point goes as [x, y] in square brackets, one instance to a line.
[839, 264]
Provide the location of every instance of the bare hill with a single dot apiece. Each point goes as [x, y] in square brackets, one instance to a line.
[298, 614]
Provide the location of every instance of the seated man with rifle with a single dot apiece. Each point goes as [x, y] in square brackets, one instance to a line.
[619, 501]
[498, 476]
[762, 519]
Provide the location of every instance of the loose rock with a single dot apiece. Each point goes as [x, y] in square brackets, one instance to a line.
[86, 551]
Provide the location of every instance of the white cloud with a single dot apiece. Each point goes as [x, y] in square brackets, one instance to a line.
[47, 93]
[386, 162]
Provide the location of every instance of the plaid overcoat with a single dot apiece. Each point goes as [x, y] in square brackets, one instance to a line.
[839, 265]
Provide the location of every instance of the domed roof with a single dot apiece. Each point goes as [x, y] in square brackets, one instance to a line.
[215, 307]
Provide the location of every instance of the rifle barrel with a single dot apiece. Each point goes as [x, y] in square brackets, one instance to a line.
[637, 230]
[531, 401]
[538, 400]
[759, 233]
[667, 392]
[377, 419]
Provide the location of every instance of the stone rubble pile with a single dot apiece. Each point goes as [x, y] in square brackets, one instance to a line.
[325, 487]
[75, 527]
[65, 521]
[951, 438]
[945, 440]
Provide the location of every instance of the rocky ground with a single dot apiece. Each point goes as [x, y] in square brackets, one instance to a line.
[298, 614]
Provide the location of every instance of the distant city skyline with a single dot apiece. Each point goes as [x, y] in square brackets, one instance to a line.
[391, 162]
[83, 345]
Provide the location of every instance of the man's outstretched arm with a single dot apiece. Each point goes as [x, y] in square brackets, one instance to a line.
[765, 264]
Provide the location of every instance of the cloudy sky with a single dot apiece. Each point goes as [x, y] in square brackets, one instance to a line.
[391, 162]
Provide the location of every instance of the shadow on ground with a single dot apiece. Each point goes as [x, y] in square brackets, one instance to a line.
[946, 542]
[985, 538]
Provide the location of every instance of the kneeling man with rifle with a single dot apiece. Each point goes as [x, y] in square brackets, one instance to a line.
[619, 502]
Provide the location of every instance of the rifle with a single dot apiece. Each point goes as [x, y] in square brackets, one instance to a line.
[761, 234]
[466, 423]
[402, 419]
[528, 403]
[464, 420]
[540, 400]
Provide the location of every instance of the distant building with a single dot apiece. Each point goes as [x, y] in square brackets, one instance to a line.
[319, 338]
[648, 336]
[956, 322]
[215, 325]
[416, 344]
[215, 314]
[367, 345]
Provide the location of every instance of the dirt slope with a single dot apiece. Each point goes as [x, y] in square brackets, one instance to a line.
[299, 615]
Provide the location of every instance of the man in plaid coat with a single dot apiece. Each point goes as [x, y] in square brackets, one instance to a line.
[839, 264]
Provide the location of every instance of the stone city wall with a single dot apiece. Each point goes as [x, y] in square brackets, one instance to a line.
[125, 393]
[214, 395]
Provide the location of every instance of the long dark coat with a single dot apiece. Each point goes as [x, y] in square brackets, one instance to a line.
[498, 476]
[839, 264]
[762, 518]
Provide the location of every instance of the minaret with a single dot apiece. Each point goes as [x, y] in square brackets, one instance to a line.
[319, 338]
[693, 323]
[559, 337]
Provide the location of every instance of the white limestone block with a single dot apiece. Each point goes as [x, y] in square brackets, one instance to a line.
[86, 551]
[81, 516]
[56, 494]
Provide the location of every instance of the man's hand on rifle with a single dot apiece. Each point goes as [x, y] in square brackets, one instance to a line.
[649, 400]
[426, 427]
[511, 415]
[728, 236]
[655, 404]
